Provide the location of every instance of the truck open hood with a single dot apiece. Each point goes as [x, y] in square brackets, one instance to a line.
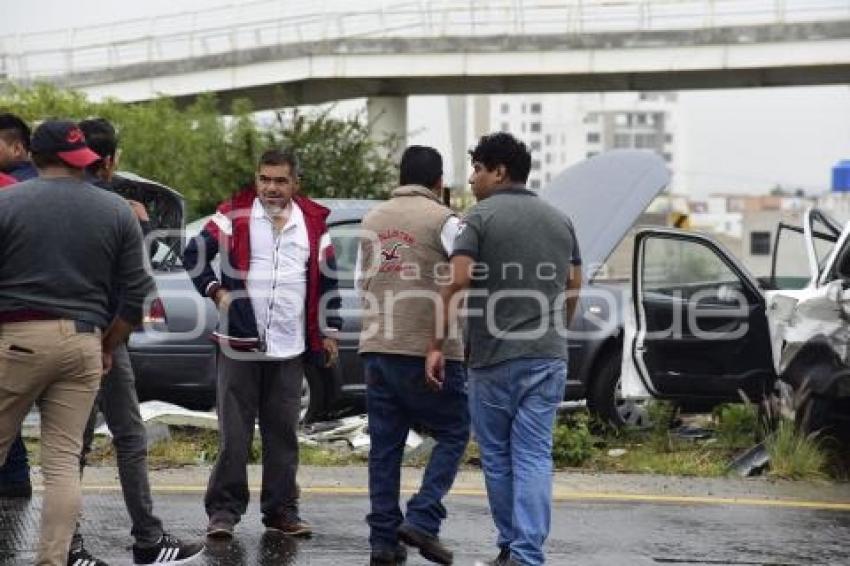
[604, 196]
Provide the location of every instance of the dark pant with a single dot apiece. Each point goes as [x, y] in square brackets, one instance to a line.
[17, 467]
[398, 399]
[246, 390]
[118, 402]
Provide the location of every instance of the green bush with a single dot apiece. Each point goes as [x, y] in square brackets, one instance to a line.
[573, 442]
[736, 424]
[795, 454]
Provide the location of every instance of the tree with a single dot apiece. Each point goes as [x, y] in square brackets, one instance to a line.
[339, 158]
[206, 156]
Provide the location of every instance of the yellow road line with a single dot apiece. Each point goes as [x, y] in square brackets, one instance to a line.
[558, 495]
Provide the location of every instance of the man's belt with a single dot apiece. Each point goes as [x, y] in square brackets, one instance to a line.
[32, 315]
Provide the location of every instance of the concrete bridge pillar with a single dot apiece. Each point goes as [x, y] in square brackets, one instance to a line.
[387, 116]
[458, 137]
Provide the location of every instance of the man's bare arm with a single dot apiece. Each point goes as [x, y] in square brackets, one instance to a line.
[461, 278]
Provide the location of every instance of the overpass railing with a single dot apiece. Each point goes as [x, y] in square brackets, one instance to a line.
[266, 23]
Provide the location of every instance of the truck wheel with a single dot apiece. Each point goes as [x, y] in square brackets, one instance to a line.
[605, 399]
[813, 415]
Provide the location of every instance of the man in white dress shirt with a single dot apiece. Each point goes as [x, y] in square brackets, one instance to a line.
[277, 262]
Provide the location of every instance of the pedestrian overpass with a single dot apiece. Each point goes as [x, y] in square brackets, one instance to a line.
[279, 53]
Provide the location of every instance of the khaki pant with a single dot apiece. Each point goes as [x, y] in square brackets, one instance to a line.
[52, 364]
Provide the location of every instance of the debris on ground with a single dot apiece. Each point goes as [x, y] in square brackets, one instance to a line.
[690, 432]
[345, 435]
[752, 462]
[354, 431]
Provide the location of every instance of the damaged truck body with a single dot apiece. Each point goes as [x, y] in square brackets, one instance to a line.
[699, 325]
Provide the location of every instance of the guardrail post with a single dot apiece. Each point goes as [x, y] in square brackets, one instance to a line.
[427, 16]
[579, 28]
[192, 35]
[709, 14]
[779, 9]
[646, 15]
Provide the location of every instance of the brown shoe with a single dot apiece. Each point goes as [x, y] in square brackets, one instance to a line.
[294, 527]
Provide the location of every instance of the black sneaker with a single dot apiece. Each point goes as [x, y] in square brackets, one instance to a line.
[429, 546]
[388, 557]
[17, 490]
[81, 557]
[169, 550]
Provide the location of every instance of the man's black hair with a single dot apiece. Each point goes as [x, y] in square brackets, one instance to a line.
[101, 139]
[44, 160]
[502, 148]
[281, 157]
[13, 129]
[421, 165]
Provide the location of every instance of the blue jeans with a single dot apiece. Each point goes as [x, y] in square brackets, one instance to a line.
[513, 406]
[16, 469]
[398, 399]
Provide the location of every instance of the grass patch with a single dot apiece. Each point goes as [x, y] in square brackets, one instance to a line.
[581, 442]
[701, 461]
[317, 456]
[661, 416]
[191, 446]
[736, 425]
[578, 443]
[794, 454]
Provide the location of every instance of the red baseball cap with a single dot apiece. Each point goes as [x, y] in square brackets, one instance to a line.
[64, 139]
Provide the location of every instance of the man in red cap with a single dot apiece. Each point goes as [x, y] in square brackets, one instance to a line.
[66, 244]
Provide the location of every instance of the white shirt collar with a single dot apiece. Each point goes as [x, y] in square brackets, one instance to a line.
[258, 212]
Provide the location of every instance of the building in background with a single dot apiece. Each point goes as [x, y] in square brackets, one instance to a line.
[563, 129]
[551, 126]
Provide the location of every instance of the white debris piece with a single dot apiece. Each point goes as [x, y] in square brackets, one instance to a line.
[171, 415]
[354, 430]
[158, 414]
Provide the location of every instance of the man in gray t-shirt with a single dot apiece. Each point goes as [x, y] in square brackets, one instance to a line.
[520, 260]
[524, 249]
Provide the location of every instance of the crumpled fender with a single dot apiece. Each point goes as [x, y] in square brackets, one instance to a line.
[815, 364]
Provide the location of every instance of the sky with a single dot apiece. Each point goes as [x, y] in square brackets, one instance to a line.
[743, 141]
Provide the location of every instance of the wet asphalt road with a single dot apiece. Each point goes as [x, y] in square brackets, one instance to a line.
[583, 533]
